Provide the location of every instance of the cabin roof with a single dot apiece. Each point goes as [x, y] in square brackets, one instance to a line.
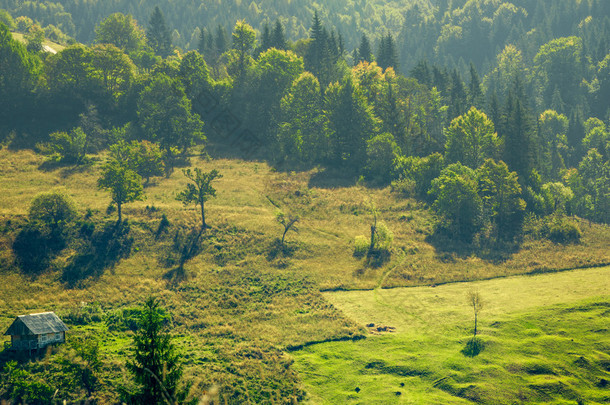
[36, 324]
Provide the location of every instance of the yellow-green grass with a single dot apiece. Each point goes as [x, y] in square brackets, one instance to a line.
[546, 341]
[53, 45]
[237, 308]
[250, 193]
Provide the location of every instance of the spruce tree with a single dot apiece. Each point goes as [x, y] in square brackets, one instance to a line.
[517, 131]
[278, 38]
[158, 34]
[156, 366]
[364, 50]
[265, 39]
[475, 93]
[387, 54]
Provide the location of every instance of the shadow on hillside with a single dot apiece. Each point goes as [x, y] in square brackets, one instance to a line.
[449, 249]
[100, 250]
[332, 178]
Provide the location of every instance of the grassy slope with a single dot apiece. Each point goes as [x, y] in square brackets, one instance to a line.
[546, 341]
[235, 299]
[53, 45]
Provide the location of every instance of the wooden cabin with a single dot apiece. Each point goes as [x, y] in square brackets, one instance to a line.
[36, 331]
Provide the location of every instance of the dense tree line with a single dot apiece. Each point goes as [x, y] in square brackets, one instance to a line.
[496, 142]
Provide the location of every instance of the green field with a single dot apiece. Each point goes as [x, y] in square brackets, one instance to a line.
[239, 311]
[546, 341]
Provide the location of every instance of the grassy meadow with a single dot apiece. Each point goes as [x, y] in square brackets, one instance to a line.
[241, 308]
[545, 341]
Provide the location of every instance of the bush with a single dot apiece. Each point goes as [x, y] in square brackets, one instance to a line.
[84, 314]
[361, 246]
[53, 209]
[404, 187]
[562, 230]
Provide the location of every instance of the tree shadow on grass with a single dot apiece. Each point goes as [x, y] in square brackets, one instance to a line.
[449, 248]
[100, 250]
[330, 178]
[473, 347]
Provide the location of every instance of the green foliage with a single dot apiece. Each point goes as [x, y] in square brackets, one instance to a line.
[19, 385]
[500, 194]
[143, 157]
[561, 230]
[158, 34]
[422, 171]
[381, 152]
[54, 209]
[457, 200]
[68, 147]
[301, 132]
[6, 19]
[18, 75]
[471, 139]
[156, 366]
[165, 116]
[122, 31]
[124, 184]
[199, 190]
[351, 123]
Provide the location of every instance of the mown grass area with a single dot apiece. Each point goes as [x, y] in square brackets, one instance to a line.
[545, 341]
[53, 45]
[240, 303]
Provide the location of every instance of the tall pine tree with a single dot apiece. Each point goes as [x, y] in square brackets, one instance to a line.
[158, 34]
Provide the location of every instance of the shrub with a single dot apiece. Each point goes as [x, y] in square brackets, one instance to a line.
[53, 209]
[404, 187]
[562, 230]
[361, 246]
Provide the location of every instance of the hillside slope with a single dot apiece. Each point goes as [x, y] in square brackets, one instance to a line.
[241, 300]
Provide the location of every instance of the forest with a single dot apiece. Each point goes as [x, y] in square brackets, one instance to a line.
[492, 117]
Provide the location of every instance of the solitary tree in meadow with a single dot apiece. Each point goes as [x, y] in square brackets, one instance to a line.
[475, 301]
[124, 184]
[289, 222]
[200, 190]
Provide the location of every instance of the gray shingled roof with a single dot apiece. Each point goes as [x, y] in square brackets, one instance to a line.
[36, 324]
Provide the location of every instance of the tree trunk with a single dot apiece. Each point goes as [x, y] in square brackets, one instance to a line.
[475, 323]
[284, 235]
[203, 224]
[118, 205]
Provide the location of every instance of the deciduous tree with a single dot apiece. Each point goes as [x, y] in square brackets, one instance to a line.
[199, 190]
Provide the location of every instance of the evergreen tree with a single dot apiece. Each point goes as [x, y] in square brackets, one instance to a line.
[364, 50]
[265, 39]
[475, 93]
[517, 131]
[278, 38]
[158, 34]
[387, 56]
[156, 365]
[576, 133]
[458, 96]
[221, 41]
[202, 45]
[351, 123]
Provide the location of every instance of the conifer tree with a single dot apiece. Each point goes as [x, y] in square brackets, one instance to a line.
[278, 38]
[364, 50]
[387, 55]
[158, 34]
[475, 93]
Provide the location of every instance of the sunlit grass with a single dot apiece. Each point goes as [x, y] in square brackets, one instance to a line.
[546, 341]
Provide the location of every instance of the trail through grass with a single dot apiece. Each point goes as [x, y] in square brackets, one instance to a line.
[546, 341]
